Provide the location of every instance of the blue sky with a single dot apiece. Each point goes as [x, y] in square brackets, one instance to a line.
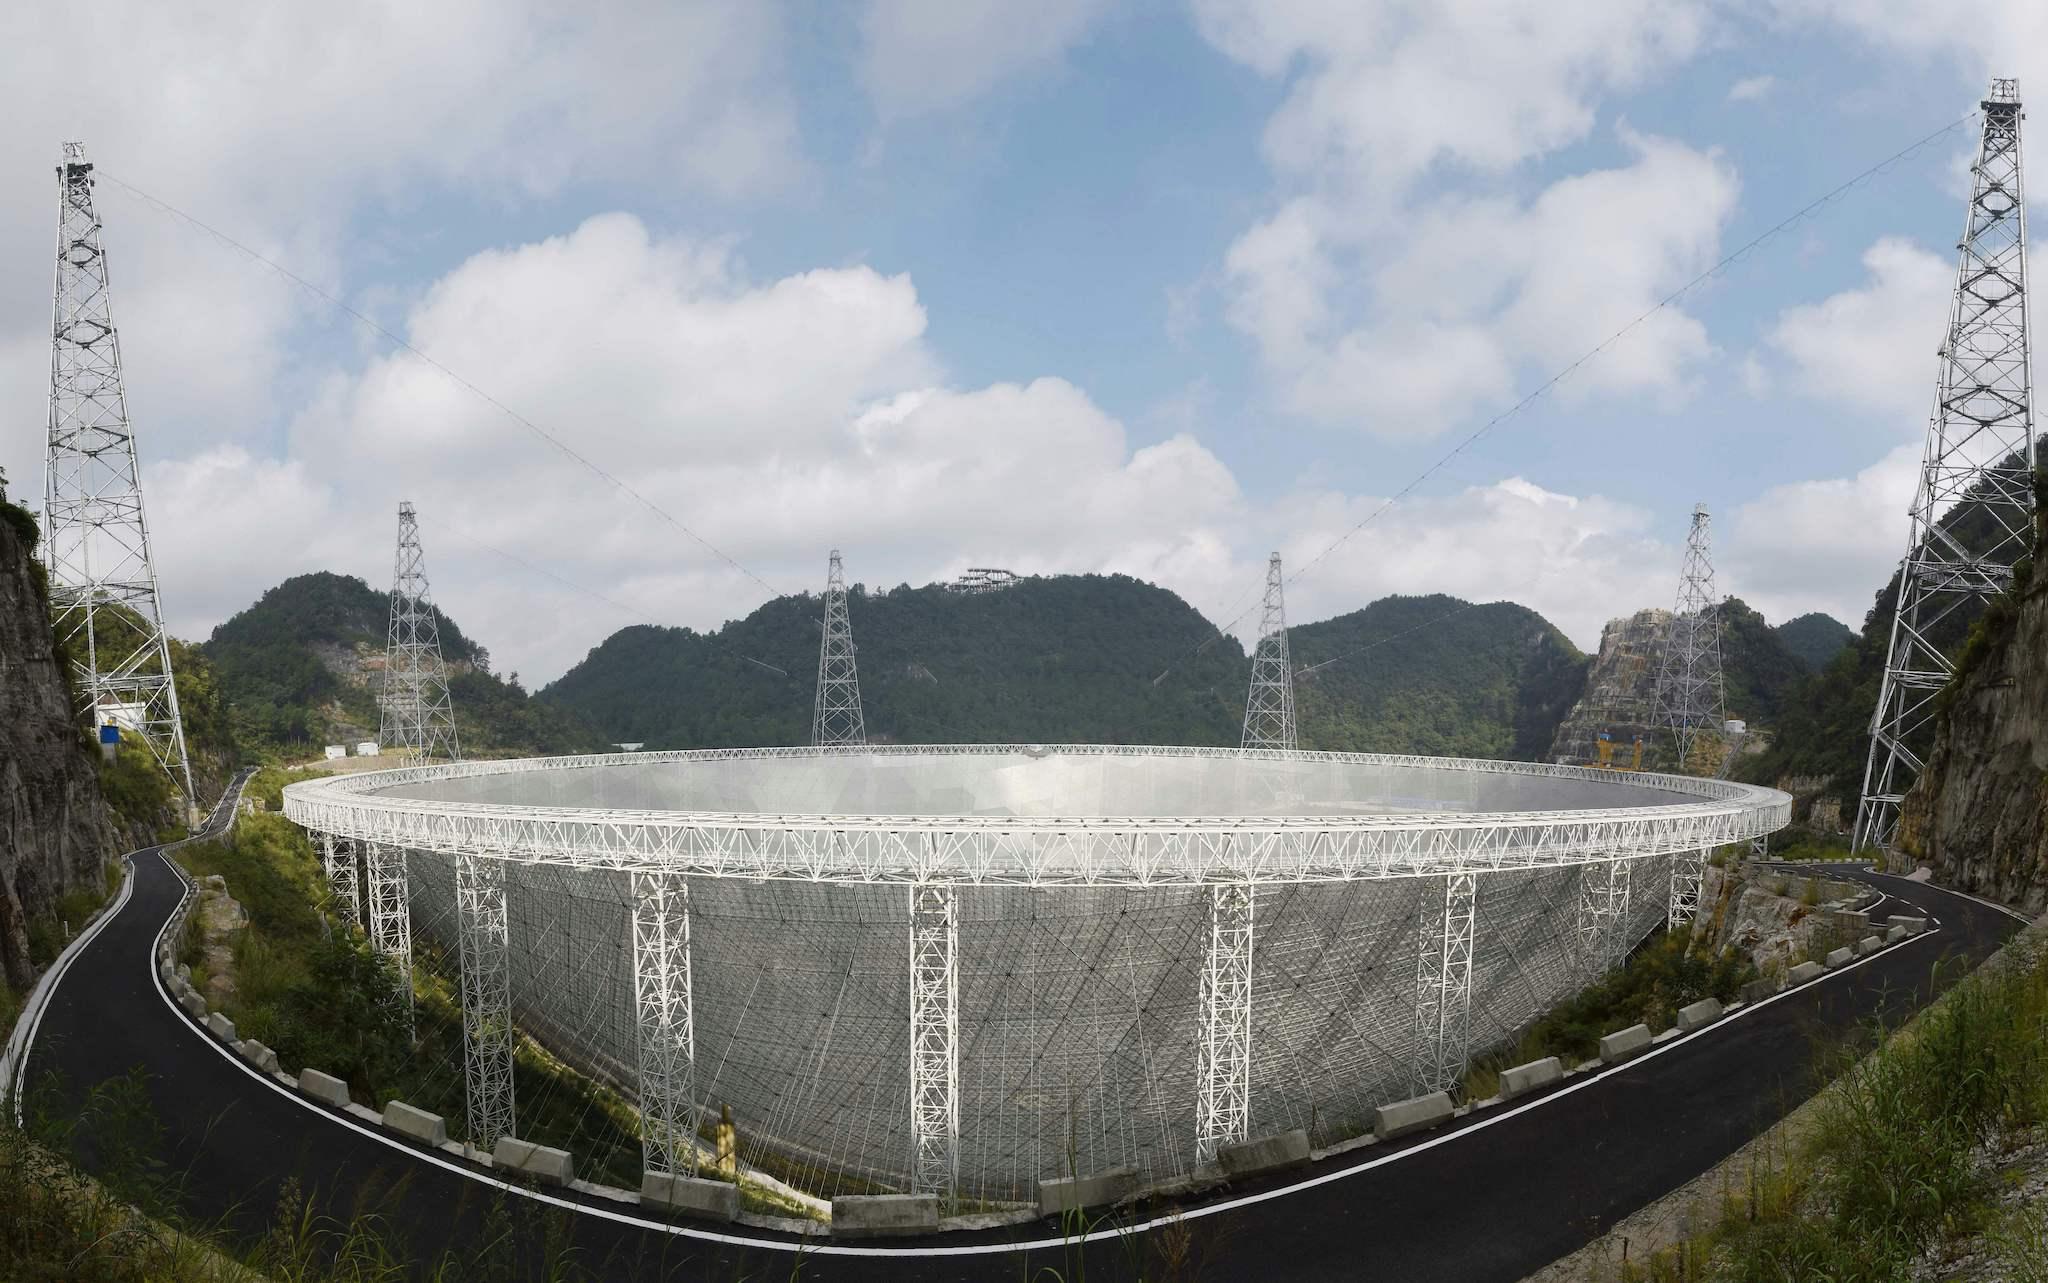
[1150, 287]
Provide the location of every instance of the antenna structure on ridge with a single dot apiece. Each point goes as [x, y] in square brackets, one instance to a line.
[418, 717]
[836, 718]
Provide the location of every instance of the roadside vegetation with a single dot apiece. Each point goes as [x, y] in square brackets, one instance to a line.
[1671, 971]
[1917, 1159]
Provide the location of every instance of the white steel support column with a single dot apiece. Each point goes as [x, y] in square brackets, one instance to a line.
[668, 1039]
[934, 1040]
[486, 998]
[338, 857]
[1688, 871]
[1443, 983]
[1224, 1063]
[390, 913]
[1603, 908]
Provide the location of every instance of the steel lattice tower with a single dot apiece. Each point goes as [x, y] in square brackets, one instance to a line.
[418, 716]
[837, 717]
[1976, 477]
[103, 592]
[1689, 694]
[1269, 709]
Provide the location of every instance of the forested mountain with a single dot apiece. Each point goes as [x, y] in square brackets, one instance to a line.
[1815, 638]
[298, 669]
[1435, 675]
[1758, 669]
[1087, 658]
[1058, 658]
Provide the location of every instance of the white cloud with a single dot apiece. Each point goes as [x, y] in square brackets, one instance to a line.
[928, 55]
[1873, 347]
[1826, 544]
[1752, 88]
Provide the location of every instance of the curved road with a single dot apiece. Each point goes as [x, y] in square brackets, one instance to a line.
[1503, 1193]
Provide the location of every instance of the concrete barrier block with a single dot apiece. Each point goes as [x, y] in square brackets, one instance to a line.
[407, 1120]
[1869, 944]
[1624, 1043]
[1895, 934]
[258, 1055]
[1758, 990]
[1913, 926]
[1264, 1153]
[1405, 1116]
[551, 1165]
[185, 973]
[884, 1215]
[694, 1196]
[220, 1027]
[1698, 1015]
[1527, 1078]
[1841, 957]
[1804, 972]
[1070, 1193]
[194, 1005]
[325, 1088]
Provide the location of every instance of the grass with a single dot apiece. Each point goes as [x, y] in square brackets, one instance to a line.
[1669, 972]
[1893, 1163]
[48, 933]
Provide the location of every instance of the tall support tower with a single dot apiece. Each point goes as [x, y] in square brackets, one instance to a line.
[103, 591]
[1972, 514]
[1689, 694]
[836, 718]
[1269, 709]
[418, 717]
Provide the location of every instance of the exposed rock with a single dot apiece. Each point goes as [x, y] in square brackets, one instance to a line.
[1747, 911]
[1620, 696]
[221, 919]
[54, 832]
[1975, 813]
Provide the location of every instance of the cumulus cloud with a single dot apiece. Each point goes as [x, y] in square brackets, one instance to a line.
[1873, 347]
[928, 55]
[1752, 88]
[1825, 544]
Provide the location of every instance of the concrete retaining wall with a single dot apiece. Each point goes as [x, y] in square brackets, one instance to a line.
[884, 1215]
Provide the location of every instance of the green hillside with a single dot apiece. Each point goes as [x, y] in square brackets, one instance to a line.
[1412, 676]
[1757, 668]
[1075, 658]
[1815, 638]
[1058, 658]
[290, 672]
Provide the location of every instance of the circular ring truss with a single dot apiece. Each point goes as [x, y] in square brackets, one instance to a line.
[1656, 815]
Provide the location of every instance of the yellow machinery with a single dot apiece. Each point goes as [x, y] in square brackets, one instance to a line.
[1605, 749]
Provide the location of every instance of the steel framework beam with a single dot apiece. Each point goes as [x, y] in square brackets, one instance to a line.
[1039, 851]
[836, 716]
[1223, 1085]
[1973, 510]
[487, 1038]
[417, 721]
[391, 913]
[668, 1040]
[1602, 913]
[1688, 871]
[1269, 707]
[338, 857]
[1443, 983]
[934, 1040]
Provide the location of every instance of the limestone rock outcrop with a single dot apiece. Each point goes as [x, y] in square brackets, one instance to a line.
[1620, 695]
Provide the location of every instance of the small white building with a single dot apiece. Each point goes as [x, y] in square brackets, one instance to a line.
[367, 748]
[336, 750]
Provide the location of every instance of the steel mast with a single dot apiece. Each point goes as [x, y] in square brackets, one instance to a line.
[1689, 694]
[1269, 708]
[1972, 515]
[104, 600]
[418, 717]
[836, 718]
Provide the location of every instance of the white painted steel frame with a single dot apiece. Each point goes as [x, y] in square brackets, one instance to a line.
[836, 715]
[1443, 983]
[934, 1040]
[390, 913]
[484, 944]
[1688, 871]
[338, 857]
[1223, 1073]
[1602, 914]
[1037, 851]
[1269, 706]
[667, 1031]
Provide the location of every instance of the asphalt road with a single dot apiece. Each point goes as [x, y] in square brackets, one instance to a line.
[1504, 1193]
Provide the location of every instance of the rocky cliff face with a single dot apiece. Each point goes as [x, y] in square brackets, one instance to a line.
[1976, 813]
[54, 832]
[1621, 691]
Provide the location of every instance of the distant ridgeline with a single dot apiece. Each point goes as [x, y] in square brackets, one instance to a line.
[1075, 658]
[299, 669]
